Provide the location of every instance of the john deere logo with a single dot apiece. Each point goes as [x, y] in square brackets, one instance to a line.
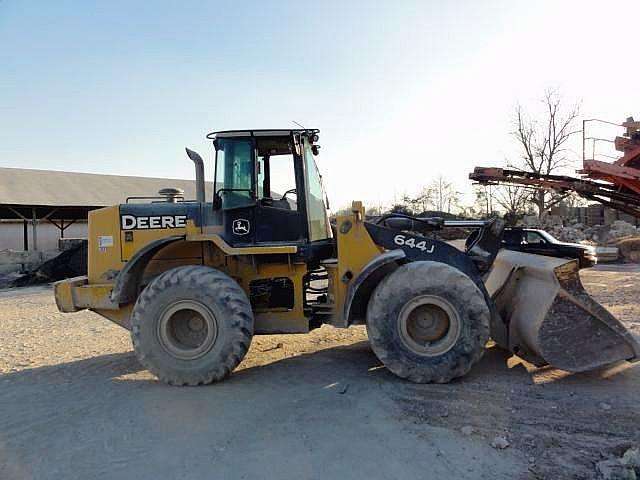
[241, 226]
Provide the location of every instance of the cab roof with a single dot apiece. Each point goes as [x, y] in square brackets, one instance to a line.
[260, 133]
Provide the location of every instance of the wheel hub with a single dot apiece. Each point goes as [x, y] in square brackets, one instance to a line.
[429, 325]
[196, 324]
[187, 329]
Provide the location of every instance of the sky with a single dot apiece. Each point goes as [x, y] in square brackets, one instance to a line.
[401, 91]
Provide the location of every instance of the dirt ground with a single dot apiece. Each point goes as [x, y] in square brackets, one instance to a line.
[75, 404]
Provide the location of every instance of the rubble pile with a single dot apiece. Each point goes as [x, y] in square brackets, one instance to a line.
[70, 263]
[14, 261]
[596, 235]
[620, 229]
[572, 234]
[620, 239]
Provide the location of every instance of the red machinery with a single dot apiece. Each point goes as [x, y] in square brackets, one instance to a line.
[614, 184]
[625, 171]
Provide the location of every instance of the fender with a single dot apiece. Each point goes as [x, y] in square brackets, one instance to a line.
[439, 251]
[125, 288]
[417, 247]
[359, 292]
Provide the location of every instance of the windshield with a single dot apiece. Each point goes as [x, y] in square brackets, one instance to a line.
[319, 228]
[234, 172]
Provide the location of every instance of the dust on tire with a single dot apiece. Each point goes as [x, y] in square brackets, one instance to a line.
[218, 292]
[436, 279]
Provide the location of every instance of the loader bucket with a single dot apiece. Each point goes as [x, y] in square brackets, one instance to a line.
[547, 317]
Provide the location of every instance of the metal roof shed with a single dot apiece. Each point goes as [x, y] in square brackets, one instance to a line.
[63, 198]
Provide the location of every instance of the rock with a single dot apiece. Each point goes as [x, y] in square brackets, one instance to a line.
[343, 388]
[631, 458]
[605, 406]
[467, 430]
[613, 469]
[499, 442]
[275, 347]
[620, 229]
[629, 248]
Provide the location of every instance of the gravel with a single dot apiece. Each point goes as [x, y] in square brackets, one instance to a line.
[76, 404]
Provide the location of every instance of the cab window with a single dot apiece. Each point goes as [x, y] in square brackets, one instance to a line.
[535, 238]
[512, 237]
[276, 173]
[234, 172]
[319, 228]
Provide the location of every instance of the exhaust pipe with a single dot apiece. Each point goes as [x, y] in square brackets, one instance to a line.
[199, 164]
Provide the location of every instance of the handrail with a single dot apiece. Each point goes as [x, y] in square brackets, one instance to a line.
[595, 139]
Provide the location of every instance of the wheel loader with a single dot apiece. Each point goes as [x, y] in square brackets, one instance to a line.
[194, 279]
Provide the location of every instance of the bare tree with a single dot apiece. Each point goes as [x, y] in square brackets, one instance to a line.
[513, 200]
[483, 203]
[439, 195]
[423, 201]
[543, 143]
[443, 194]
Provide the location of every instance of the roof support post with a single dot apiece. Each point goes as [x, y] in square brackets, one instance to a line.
[61, 226]
[25, 235]
[34, 227]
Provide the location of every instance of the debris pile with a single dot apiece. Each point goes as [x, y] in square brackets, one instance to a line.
[620, 240]
[70, 263]
[12, 261]
[620, 228]
[598, 234]
[572, 234]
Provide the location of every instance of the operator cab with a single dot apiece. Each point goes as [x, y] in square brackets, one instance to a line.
[268, 190]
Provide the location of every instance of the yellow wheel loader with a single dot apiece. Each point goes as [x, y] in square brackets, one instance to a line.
[194, 280]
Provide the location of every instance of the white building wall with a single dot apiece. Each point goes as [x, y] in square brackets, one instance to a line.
[11, 234]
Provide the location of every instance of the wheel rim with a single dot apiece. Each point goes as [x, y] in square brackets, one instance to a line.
[187, 329]
[429, 325]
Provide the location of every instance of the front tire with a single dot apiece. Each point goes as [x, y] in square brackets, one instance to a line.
[428, 322]
[191, 325]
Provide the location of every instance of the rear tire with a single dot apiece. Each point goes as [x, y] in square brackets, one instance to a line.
[428, 322]
[191, 325]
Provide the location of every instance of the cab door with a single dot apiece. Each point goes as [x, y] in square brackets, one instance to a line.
[234, 184]
[278, 217]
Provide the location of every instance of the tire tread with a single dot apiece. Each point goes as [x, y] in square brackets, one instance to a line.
[217, 285]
